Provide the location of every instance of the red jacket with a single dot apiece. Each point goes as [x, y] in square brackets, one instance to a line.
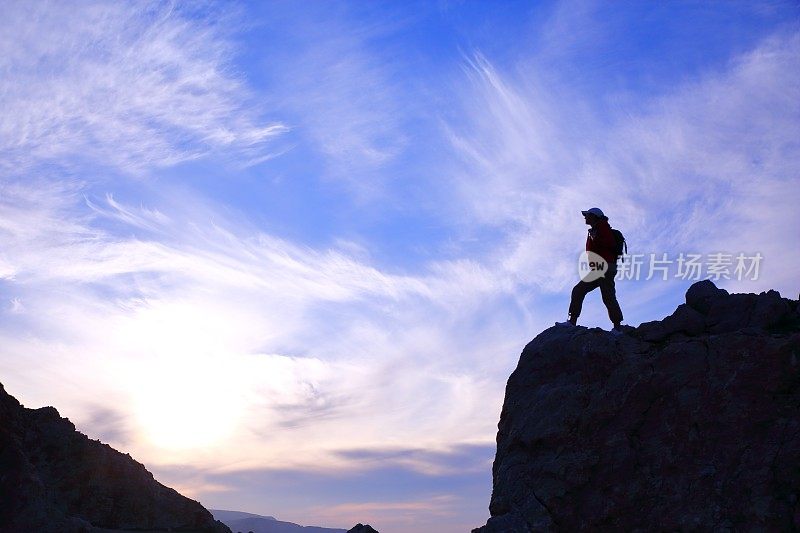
[601, 241]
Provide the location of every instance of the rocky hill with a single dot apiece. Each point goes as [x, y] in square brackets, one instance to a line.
[691, 423]
[55, 479]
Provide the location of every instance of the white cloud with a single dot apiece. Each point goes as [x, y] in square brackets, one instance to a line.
[296, 343]
[17, 306]
[125, 85]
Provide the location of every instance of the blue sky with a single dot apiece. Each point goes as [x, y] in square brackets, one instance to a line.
[286, 254]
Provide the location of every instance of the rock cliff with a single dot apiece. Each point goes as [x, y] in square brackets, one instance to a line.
[688, 423]
[55, 479]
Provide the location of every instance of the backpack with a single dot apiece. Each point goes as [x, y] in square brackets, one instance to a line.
[619, 241]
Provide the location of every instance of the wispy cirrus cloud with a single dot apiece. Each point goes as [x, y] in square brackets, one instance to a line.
[296, 342]
[123, 85]
[344, 90]
[459, 459]
[705, 167]
[52, 238]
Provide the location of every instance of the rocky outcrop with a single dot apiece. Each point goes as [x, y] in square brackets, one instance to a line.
[55, 479]
[688, 423]
[361, 528]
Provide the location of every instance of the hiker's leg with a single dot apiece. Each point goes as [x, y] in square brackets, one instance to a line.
[579, 292]
[609, 293]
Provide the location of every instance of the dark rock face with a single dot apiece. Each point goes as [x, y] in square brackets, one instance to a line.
[55, 479]
[689, 423]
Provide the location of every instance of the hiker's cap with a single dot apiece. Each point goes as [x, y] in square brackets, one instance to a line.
[596, 211]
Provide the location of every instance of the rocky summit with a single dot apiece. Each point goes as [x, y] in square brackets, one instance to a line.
[690, 423]
[362, 528]
[55, 479]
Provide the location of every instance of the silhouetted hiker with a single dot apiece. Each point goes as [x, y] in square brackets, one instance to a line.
[602, 242]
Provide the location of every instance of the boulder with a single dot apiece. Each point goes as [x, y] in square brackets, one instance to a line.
[685, 320]
[702, 294]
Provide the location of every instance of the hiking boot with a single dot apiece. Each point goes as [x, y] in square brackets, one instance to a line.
[566, 323]
[617, 331]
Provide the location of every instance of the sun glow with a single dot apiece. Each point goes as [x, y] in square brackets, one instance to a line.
[188, 407]
[185, 390]
[195, 377]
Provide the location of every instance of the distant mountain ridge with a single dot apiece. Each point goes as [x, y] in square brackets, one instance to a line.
[244, 522]
[54, 479]
[224, 516]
